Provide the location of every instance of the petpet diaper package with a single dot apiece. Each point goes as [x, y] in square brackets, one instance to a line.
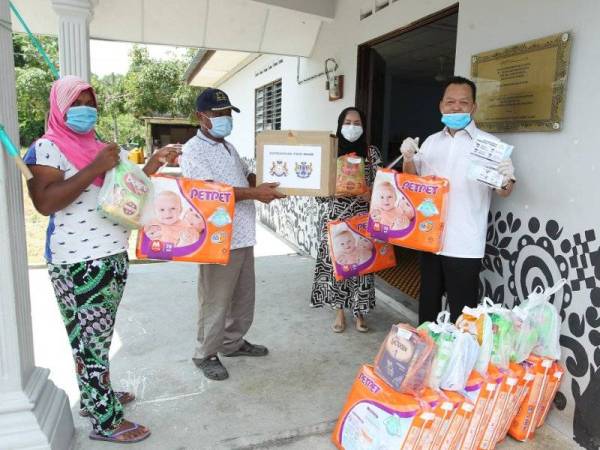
[376, 417]
[408, 210]
[538, 399]
[124, 193]
[187, 220]
[463, 410]
[405, 357]
[350, 178]
[484, 397]
[485, 157]
[353, 252]
[443, 409]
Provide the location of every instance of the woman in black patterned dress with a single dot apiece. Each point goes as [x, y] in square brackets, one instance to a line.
[356, 294]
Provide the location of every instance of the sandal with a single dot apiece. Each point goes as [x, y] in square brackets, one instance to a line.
[360, 325]
[212, 368]
[122, 396]
[339, 325]
[114, 437]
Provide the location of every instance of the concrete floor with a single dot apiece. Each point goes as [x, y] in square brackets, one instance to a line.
[289, 399]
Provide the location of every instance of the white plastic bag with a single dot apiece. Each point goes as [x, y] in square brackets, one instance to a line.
[461, 363]
[455, 356]
[526, 335]
[546, 320]
[124, 193]
[477, 322]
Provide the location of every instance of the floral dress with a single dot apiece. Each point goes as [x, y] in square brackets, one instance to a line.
[356, 293]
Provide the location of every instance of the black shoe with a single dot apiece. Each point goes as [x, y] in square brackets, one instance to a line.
[212, 368]
[248, 349]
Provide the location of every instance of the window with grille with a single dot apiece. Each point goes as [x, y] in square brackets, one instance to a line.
[268, 107]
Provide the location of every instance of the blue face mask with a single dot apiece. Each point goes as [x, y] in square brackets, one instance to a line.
[81, 119]
[456, 121]
[221, 126]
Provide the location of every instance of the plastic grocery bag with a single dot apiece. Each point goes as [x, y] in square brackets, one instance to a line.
[525, 335]
[455, 355]
[350, 178]
[546, 320]
[441, 332]
[503, 332]
[124, 193]
[461, 363]
[405, 358]
[477, 322]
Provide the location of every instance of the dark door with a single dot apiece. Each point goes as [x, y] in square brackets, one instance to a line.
[370, 85]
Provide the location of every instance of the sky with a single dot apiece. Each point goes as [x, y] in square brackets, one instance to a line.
[112, 57]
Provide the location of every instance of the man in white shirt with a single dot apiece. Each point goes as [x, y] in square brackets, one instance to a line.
[455, 269]
[225, 293]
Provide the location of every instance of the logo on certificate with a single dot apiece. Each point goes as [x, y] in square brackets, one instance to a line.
[303, 169]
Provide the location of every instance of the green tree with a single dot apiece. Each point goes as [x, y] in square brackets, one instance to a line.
[156, 87]
[33, 80]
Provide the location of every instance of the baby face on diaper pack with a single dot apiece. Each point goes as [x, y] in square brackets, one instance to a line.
[408, 210]
[353, 252]
[187, 220]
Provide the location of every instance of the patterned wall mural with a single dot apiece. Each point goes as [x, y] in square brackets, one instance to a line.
[524, 253]
[521, 253]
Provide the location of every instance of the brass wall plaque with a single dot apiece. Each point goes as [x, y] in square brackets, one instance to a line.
[522, 87]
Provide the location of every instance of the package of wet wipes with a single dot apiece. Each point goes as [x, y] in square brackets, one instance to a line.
[485, 157]
[187, 220]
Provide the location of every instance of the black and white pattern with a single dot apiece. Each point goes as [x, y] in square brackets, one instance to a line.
[357, 293]
[524, 253]
[78, 232]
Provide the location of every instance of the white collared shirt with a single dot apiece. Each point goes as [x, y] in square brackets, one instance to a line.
[468, 200]
[205, 159]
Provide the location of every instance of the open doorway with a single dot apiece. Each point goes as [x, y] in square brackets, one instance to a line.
[399, 84]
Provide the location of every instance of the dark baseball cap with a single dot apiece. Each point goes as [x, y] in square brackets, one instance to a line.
[214, 100]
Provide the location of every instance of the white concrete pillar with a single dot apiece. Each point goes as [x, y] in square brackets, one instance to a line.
[74, 36]
[34, 413]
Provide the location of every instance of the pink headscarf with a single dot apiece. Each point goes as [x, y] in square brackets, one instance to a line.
[79, 149]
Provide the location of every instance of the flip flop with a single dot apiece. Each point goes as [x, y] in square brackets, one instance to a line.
[114, 437]
[122, 396]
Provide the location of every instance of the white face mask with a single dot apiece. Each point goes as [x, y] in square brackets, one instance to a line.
[352, 132]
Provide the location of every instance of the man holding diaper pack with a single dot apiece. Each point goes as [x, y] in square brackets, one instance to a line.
[455, 270]
[225, 293]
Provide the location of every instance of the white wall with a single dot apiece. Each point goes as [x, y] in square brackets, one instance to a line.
[549, 228]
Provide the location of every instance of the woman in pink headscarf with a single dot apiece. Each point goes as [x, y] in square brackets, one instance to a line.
[86, 251]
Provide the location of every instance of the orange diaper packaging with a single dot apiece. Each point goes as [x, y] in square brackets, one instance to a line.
[187, 220]
[525, 422]
[408, 210]
[375, 417]
[481, 390]
[450, 438]
[350, 177]
[556, 373]
[443, 408]
[405, 357]
[505, 398]
[353, 252]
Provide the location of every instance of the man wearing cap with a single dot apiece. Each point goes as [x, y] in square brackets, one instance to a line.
[225, 293]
